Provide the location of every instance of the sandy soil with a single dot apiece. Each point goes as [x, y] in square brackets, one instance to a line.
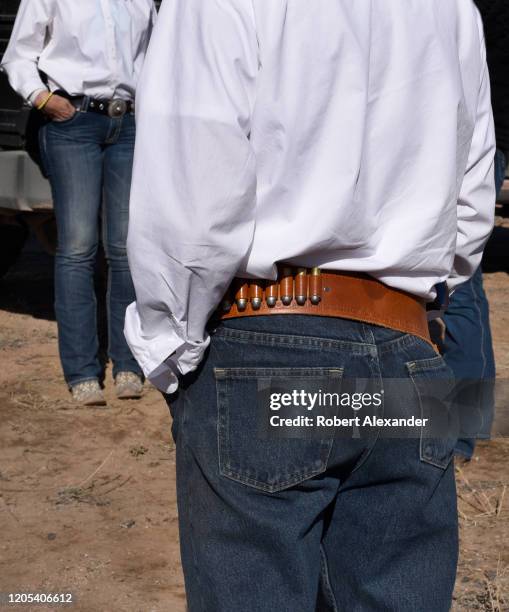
[87, 497]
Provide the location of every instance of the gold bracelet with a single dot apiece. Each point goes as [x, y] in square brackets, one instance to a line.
[45, 101]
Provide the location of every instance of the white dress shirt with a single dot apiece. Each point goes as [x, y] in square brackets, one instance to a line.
[86, 47]
[350, 135]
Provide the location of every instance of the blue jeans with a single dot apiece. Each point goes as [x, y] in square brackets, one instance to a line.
[308, 525]
[89, 160]
[468, 346]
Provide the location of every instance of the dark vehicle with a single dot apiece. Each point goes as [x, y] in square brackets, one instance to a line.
[25, 195]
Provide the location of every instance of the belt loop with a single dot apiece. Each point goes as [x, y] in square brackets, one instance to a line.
[84, 104]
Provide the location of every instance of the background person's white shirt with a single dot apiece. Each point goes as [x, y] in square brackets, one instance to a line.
[350, 135]
[85, 47]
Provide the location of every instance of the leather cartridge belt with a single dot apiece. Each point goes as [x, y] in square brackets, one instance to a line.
[301, 291]
[112, 108]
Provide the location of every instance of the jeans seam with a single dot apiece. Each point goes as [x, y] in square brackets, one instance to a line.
[482, 338]
[404, 341]
[425, 365]
[261, 486]
[246, 373]
[188, 457]
[324, 572]
[44, 155]
[378, 374]
[288, 340]
[414, 369]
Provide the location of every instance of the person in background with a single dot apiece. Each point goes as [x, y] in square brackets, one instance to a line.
[468, 347]
[78, 63]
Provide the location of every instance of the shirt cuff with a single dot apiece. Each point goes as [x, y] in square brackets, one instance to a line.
[164, 356]
[33, 96]
[30, 87]
[165, 378]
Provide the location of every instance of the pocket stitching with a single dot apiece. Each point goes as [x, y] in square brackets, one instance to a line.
[301, 477]
[430, 364]
[296, 342]
[249, 373]
[225, 468]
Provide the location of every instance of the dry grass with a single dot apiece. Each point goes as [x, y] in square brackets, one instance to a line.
[477, 502]
[33, 401]
[95, 493]
[495, 600]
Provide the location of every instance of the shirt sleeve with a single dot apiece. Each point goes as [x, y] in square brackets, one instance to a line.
[153, 16]
[25, 46]
[476, 204]
[193, 193]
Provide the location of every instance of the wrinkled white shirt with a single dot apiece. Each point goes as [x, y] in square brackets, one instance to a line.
[350, 135]
[85, 47]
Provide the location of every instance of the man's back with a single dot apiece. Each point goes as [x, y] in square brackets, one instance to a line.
[351, 136]
[341, 133]
[362, 124]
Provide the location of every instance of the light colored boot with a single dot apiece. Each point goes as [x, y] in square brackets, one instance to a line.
[88, 393]
[128, 385]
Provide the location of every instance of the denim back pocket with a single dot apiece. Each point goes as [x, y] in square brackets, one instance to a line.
[434, 383]
[247, 454]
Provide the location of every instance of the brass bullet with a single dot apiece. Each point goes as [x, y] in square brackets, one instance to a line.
[256, 294]
[242, 295]
[301, 286]
[286, 286]
[315, 286]
[271, 294]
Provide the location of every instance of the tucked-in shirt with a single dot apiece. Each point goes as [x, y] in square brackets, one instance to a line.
[86, 47]
[349, 135]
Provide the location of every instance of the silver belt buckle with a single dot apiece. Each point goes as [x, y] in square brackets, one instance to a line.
[117, 108]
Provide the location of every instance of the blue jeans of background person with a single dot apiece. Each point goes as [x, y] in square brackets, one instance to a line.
[468, 347]
[300, 525]
[89, 161]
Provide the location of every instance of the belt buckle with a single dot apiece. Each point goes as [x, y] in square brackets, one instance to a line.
[117, 108]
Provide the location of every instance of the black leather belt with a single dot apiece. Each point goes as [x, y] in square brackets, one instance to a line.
[112, 108]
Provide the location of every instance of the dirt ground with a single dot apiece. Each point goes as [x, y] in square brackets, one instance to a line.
[87, 496]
